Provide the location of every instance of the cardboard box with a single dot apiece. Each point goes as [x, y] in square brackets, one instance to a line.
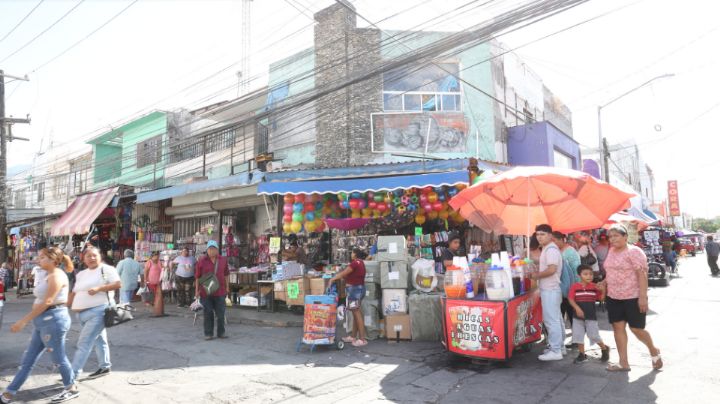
[280, 286]
[317, 286]
[296, 290]
[391, 248]
[394, 275]
[282, 296]
[398, 325]
[394, 301]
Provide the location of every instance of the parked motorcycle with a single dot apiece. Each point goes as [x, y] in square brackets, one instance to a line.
[658, 272]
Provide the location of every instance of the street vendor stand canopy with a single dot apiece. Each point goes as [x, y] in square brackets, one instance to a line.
[83, 212]
[373, 184]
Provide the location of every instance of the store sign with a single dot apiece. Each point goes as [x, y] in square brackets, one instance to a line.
[524, 317]
[476, 328]
[274, 245]
[293, 290]
[673, 198]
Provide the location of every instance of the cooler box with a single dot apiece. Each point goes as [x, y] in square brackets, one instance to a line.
[391, 248]
[320, 299]
[372, 272]
[394, 275]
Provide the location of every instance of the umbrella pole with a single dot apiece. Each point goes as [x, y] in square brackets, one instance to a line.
[527, 234]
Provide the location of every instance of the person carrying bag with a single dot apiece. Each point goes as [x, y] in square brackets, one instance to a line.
[211, 284]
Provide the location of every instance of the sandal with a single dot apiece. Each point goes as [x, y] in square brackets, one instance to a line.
[615, 367]
[348, 339]
[657, 362]
[359, 343]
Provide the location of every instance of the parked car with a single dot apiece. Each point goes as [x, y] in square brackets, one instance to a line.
[684, 243]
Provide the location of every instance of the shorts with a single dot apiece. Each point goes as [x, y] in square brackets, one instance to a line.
[582, 327]
[355, 294]
[625, 310]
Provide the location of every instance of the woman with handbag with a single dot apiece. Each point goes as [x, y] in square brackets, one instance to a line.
[588, 255]
[52, 321]
[91, 296]
[153, 271]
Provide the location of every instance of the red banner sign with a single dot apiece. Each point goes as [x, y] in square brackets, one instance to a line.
[673, 198]
[476, 328]
[524, 316]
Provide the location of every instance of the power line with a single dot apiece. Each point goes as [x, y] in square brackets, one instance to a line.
[43, 31]
[22, 21]
[86, 37]
[302, 101]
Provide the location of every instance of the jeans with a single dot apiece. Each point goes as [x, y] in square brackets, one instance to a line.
[126, 296]
[185, 290]
[213, 307]
[552, 317]
[51, 328]
[93, 334]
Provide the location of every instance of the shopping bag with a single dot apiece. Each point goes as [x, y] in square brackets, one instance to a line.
[228, 302]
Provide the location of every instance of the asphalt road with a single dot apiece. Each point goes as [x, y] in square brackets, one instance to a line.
[167, 361]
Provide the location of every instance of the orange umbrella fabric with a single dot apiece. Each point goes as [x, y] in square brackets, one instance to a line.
[516, 200]
[621, 217]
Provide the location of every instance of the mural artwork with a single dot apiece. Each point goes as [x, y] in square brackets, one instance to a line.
[420, 132]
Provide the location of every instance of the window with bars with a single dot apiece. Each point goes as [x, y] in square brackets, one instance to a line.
[149, 151]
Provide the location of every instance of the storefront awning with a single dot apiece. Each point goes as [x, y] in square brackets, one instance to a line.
[16, 230]
[215, 184]
[82, 213]
[374, 184]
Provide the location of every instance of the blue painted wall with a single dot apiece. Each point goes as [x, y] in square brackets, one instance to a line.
[534, 145]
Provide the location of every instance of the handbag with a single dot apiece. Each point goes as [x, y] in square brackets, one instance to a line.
[114, 315]
[589, 258]
[209, 281]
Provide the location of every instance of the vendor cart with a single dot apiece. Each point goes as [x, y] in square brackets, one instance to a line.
[491, 330]
[320, 322]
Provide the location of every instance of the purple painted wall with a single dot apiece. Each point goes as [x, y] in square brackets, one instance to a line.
[535, 145]
[591, 167]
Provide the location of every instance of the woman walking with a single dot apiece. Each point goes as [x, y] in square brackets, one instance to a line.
[627, 301]
[354, 276]
[51, 320]
[92, 293]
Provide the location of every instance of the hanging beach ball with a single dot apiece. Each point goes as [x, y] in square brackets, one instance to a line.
[295, 227]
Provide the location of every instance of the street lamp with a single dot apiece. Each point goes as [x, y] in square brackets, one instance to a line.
[603, 152]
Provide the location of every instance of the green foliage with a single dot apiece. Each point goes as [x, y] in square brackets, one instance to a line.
[706, 225]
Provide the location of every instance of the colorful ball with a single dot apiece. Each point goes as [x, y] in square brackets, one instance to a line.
[379, 198]
[354, 204]
[287, 228]
[432, 197]
[381, 207]
[414, 199]
[345, 204]
[295, 227]
[297, 217]
[437, 206]
[310, 227]
[401, 209]
[427, 207]
[289, 199]
[443, 214]
[432, 215]
[372, 204]
[298, 207]
[342, 196]
[362, 203]
[310, 216]
[288, 208]
[287, 218]
[405, 200]
[300, 198]
[356, 215]
[412, 207]
[420, 220]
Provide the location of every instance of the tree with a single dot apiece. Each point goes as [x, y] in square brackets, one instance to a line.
[707, 225]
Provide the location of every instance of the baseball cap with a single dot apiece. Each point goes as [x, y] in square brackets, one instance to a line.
[212, 244]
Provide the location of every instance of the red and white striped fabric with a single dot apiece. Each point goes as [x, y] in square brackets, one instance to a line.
[82, 213]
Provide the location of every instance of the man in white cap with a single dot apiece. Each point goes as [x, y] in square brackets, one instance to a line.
[213, 303]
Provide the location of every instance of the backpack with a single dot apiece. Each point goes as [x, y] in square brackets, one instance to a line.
[568, 276]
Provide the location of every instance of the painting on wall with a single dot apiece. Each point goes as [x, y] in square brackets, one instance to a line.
[423, 133]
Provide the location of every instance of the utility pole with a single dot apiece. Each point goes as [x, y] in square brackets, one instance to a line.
[604, 149]
[5, 124]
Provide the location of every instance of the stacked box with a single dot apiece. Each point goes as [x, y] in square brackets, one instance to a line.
[391, 248]
[394, 275]
[394, 301]
[426, 316]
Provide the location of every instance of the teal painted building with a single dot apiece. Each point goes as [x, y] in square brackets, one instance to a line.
[133, 154]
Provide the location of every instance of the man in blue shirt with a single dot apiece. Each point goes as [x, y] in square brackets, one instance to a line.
[129, 271]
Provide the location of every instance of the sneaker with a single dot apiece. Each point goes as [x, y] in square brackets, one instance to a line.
[563, 351]
[581, 358]
[605, 354]
[551, 356]
[65, 396]
[99, 373]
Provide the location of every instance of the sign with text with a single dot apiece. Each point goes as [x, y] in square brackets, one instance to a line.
[673, 198]
[476, 328]
[524, 317]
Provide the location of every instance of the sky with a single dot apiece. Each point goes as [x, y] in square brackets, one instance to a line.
[163, 54]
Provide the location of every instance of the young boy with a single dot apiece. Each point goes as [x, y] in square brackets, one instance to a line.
[582, 297]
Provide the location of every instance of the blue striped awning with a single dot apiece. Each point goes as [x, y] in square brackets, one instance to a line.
[373, 184]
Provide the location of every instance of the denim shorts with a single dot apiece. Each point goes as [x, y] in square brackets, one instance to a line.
[355, 294]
